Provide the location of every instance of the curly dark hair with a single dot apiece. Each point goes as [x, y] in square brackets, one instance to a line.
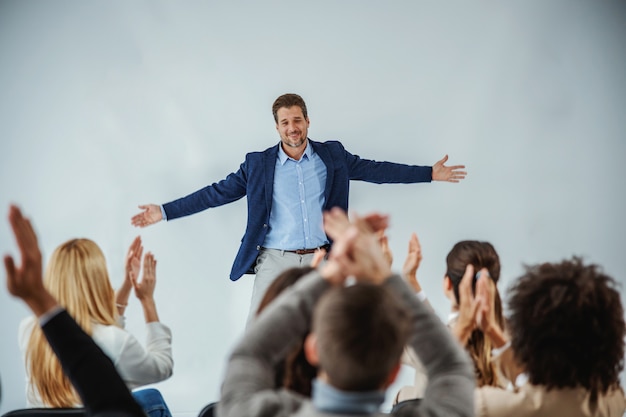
[567, 326]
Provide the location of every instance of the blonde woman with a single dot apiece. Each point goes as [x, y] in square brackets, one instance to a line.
[77, 277]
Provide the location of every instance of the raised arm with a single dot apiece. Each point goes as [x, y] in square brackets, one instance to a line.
[140, 365]
[144, 289]
[412, 263]
[131, 272]
[91, 372]
[448, 367]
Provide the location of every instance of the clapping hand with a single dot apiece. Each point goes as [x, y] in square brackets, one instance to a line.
[468, 304]
[357, 251]
[144, 289]
[25, 281]
[132, 265]
[412, 263]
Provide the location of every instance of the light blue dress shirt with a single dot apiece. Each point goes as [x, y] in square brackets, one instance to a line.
[296, 218]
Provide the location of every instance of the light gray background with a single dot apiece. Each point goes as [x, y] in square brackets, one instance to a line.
[108, 104]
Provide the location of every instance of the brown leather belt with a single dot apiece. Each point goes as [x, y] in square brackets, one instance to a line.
[307, 251]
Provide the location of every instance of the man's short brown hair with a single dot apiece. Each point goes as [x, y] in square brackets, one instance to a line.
[361, 331]
[287, 101]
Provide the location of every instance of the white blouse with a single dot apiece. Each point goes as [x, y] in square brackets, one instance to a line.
[136, 365]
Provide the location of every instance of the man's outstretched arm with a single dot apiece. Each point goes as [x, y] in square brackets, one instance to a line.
[91, 372]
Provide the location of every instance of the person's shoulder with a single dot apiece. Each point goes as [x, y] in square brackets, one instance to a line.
[110, 338]
[254, 155]
[327, 143]
[271, 149]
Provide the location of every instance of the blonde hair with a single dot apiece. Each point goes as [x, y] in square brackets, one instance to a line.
[77, 277]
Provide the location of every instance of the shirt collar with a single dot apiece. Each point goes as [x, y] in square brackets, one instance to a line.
[329, 399]
[283, 157]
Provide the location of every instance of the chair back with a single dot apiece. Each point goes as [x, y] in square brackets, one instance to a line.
[208, 411]
[47, 412]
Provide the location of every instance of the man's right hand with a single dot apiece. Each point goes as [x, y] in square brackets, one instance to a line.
[151, 214]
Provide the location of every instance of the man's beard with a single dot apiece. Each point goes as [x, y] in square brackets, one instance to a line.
[295, 145]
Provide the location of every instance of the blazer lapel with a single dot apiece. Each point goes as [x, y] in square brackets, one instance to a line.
[269, 168]
[326, 157]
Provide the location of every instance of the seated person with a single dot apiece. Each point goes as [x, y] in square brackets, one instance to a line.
[77, 277]
[567, 333]
[357, 336]
[295, 372]
[93, 375]
[480, 255]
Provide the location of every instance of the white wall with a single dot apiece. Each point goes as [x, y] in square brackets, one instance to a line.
[108, 104]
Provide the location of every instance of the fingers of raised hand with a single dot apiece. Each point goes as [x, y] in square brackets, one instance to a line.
[149, 266]
[374, 222]
[12, 282]
[335, 222]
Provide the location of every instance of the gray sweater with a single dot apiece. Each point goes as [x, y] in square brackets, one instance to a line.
[249, 391]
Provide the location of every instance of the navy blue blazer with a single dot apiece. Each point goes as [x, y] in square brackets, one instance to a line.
[255, 179]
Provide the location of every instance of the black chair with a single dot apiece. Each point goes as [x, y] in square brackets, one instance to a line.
[208, 411]
[47, 412]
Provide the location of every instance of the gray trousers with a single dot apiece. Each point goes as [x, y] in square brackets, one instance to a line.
[269, 264]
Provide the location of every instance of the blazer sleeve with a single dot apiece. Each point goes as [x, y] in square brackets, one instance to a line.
[385, 172]
[230, 189]
[91, 372]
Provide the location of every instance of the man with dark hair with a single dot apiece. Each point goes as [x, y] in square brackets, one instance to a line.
[567, 334]
[360, 332]
[357, 336]
[288, 186]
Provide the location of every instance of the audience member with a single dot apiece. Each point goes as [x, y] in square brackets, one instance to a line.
[479, 255]
[295, 372]
[357, 336]
[567, 333]
[77, 278]
[92, 373]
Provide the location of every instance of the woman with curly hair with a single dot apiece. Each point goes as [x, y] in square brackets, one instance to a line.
[567, 333]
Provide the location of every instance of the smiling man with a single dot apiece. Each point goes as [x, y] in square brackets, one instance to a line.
[288, 187]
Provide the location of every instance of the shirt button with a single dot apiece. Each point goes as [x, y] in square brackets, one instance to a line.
[258, 247]
[265, 226]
